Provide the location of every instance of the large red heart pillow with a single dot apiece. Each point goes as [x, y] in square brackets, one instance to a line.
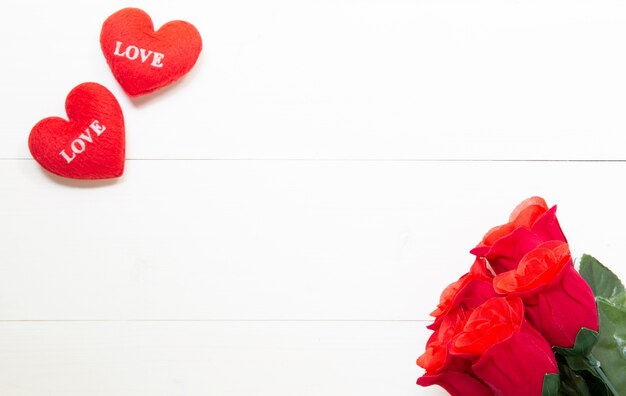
[91, 144]
[143, 60]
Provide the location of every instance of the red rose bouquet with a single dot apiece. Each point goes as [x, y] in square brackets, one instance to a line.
[524, 322]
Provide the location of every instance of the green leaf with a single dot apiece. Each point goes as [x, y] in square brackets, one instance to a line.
[611, 347]
[585, 340]
[580, 371]
[550, 385]
[572, 384]
[619, 300]
[610, 350]
[578, 363]
[602, 280]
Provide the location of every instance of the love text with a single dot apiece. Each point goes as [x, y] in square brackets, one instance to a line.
[132, 52]
[78, 145]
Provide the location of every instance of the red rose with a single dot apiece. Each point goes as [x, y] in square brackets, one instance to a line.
[509, 354]
[558, 300]
[471, 290]
[530, 224]
[436, 356]
[456, 383]
[524, 215]
[451, 372]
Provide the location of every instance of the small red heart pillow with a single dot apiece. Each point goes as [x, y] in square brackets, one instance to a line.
[91, 144]
[143, 60]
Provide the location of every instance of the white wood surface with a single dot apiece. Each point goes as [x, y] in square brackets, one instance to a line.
[302, 240]
[200, 358]
[292, 209]
[343, 78]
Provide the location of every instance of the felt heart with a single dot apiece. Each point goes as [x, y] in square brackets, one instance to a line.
[143, 60]
[91, 144]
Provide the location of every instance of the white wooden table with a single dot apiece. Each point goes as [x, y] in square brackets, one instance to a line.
[292, 209]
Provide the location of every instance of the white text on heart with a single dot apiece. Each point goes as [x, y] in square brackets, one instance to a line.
[132, 53]
[79, 145]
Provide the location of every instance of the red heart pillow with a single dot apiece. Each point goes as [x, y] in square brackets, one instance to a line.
[91, 144]
[143, 60]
